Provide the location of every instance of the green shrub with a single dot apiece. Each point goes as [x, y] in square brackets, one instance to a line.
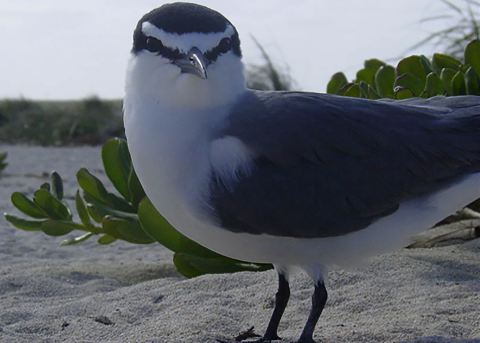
[89, 121]
[414, 76]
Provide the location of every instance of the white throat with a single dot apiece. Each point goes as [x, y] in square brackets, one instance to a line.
[151, 78]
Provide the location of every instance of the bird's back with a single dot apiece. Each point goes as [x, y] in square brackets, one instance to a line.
[328, 165]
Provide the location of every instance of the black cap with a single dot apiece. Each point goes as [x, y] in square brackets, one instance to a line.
[182, 18]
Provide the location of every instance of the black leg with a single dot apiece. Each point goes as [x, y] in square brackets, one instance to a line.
[281, 300]
[319, 299]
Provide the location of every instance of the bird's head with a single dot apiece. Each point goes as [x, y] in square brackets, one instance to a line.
[185, 55]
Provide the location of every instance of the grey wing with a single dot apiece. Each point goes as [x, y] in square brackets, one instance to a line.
[328, 165]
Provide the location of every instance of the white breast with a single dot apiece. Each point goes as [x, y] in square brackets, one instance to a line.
[170, 155]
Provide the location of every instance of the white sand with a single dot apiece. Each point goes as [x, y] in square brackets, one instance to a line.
[55, 294]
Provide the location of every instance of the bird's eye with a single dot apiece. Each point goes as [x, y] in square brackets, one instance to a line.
[153, 44]
[224, 45]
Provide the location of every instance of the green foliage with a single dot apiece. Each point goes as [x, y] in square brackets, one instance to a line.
[129, 216]
[191, 266]
[3, 163]
[414, 76]
[89, 121]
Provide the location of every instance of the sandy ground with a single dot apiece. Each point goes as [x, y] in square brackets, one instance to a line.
[132, 293]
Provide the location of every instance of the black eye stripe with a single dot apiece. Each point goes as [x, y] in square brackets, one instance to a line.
[154, 45]
[223, 47]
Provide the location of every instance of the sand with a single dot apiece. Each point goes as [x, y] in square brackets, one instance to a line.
[132, 293]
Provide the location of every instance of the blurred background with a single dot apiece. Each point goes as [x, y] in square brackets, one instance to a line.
[55, 51]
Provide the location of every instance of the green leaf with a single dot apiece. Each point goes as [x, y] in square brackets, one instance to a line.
[412, 65]
[410, 81]
[472, 55]
[403, 93]
[128, 230]
[157, 227]
[3, 157]
[91, 200]
[373, 64]
[136, 190]
[57, 185]
[53, 207]
[192, 266]
[3, 164]
[384, 80]
[458, 84]
[372, 93]
[185, 267]
[70, 214]
[82, 210]
[28, 207]
[441, 61]
[427, 66]
[344, 89]
[99, 211]
[72, 241]
[92, 185]
[95, 188]
[447, 76]
[472, 82]
[117, 163]
[106, 240]
[424, 95]
[337, 81]
[24, 224]
[354, 91]
[434, 85]
[94, 213]
[60, 227]
[366, 75]
[45, 186]
[364, 89]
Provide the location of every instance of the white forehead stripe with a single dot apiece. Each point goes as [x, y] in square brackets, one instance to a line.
[184, 42]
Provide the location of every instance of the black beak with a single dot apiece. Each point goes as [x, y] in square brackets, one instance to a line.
[194, 63]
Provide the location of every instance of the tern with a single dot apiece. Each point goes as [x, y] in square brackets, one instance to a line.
[296, 179]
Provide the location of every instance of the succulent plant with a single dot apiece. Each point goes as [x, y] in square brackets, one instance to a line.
[414, 76]
[129, 216]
